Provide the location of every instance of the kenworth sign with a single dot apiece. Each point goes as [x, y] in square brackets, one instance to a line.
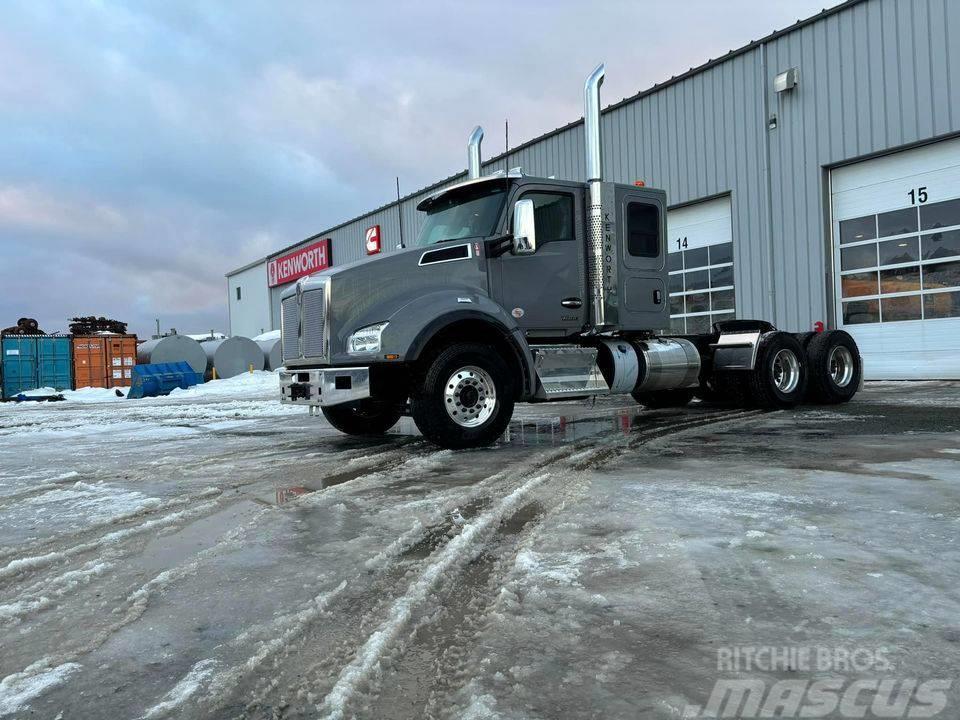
[305, 261]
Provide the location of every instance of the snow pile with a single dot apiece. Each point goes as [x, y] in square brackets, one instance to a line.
[18, 689]
[272, 335]
[259, 382]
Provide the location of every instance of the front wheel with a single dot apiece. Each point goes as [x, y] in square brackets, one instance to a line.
[364, 417]
[464, 397]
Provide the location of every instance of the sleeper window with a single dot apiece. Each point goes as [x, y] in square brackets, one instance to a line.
[643, 230]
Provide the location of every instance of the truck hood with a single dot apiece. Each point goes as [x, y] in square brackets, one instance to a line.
[372, 290]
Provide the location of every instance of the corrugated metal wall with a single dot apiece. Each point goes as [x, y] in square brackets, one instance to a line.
[873, 76]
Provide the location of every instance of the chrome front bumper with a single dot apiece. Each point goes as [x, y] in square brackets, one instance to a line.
[326, 386]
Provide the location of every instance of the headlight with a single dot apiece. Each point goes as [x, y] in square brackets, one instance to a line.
[366, 339]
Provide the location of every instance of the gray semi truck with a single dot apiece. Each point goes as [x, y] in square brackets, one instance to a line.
[527, 289]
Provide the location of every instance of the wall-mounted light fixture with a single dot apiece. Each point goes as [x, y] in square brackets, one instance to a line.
[787, 80]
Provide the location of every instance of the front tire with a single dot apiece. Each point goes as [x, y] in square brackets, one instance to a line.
[364, 417]
[464, 397]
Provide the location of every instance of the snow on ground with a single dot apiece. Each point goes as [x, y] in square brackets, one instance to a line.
[255, 384]
[16, 691]
[215, 553]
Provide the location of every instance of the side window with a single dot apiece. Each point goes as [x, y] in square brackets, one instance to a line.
[553, 216]
[643, 230]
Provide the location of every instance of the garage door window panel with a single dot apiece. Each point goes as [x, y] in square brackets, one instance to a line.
[722, 300]
[697, 258]
[721, 277]
[698, 302]
[698, 324]
[698, 280]
[860, 312]
[858, 229]
[898, 252]
[860, 284]
[900, 280]
[941, 245]
[897, 222]
[940, 215]
[941, 275]
[899, 309]
[941, 305]
[721, 253]
[859, 256]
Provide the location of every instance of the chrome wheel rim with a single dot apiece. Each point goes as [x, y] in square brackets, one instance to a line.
[469, 396]
[786, 371]
[840, 363]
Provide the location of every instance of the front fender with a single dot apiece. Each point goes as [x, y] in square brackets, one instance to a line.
[413, 326]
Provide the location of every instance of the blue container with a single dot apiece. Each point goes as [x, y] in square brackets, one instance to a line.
[35, 361]
[161, 378]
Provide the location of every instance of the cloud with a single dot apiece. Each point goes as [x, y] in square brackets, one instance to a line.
[150, 148]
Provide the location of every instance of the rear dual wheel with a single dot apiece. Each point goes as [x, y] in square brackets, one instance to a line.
[835, 367]
[779, 377]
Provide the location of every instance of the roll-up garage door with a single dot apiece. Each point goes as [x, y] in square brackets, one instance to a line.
[701, 265]
[896, 253]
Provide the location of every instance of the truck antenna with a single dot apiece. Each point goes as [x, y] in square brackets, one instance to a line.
[506, 144]
[399, 214]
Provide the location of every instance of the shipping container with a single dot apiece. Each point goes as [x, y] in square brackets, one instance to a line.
[35, 361]
[103, 361]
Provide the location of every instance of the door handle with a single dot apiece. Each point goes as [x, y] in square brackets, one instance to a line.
[572, 302]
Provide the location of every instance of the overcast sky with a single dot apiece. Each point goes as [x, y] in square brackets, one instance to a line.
[148, 148]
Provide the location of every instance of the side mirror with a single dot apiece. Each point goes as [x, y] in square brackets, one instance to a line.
[524, 228]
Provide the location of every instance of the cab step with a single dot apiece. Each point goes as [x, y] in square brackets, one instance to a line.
[567, 371]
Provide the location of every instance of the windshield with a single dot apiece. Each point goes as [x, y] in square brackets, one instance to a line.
[469, 214]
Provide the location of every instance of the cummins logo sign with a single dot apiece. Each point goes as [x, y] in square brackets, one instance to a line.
[305, 261]
[372, 240]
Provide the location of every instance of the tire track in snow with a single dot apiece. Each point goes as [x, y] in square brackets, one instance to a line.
[287, 635]
[286, 631]
[459, 552]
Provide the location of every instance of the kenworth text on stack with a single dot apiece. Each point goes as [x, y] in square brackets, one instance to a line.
[524, 289]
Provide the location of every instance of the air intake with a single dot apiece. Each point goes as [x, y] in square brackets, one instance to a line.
[473, 153]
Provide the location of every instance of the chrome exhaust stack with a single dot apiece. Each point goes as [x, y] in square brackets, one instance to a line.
[473, 153]
[591, 133]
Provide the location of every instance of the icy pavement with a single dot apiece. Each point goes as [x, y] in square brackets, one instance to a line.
[216, 554]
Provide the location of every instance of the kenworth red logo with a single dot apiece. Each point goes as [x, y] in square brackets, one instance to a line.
[305, 261]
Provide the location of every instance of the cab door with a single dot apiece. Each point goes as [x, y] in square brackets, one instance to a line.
[546, 291]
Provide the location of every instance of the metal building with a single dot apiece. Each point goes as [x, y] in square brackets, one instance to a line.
[813, 177]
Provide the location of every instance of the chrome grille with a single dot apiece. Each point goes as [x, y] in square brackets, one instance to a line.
[312, 327]
[290, 328]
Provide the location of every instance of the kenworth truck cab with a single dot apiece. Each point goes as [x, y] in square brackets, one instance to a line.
[525, 289]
